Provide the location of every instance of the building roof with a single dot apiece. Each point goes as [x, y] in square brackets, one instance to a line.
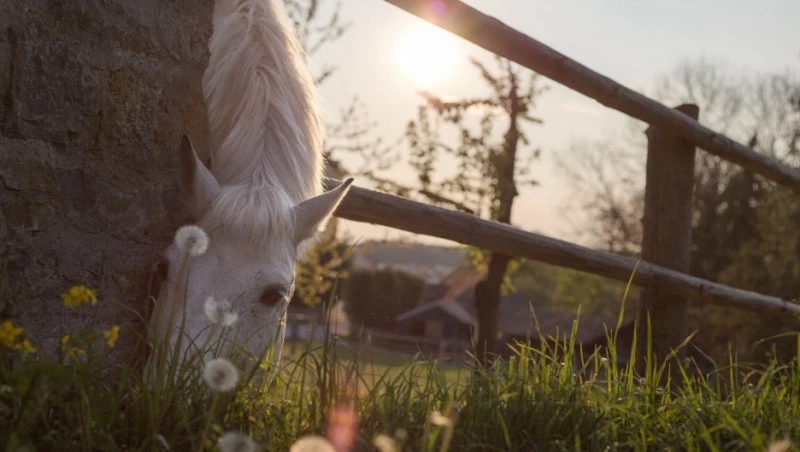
[457, 286]
[450, 308]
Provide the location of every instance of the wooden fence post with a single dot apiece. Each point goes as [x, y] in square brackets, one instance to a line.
[667, 237]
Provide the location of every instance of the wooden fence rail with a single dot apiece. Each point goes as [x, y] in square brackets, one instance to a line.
[387, 210]
[500, 39]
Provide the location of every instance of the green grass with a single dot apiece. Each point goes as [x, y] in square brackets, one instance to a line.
[539, 399]
[529, 402]
[373, 363]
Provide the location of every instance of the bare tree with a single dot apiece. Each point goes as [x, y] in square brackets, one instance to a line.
[483, 171]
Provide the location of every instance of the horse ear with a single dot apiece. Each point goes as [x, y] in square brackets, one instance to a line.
[198, 185]
[312, 214]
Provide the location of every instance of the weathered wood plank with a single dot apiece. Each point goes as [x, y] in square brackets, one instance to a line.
[499, 38]
[667, 236]
[380, 208]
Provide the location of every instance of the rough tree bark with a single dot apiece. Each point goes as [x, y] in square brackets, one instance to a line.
[95, 96]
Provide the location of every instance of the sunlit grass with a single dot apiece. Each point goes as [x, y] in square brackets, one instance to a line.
[534, 400]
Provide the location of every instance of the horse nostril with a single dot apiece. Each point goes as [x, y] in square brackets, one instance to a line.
[270, 298]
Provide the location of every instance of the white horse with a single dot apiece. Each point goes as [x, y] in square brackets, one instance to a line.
[262, 198]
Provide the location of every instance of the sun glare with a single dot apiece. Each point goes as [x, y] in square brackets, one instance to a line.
[426, 53]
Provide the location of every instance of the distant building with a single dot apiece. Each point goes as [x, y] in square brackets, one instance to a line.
[448, 312]
[439, 320]
[431, 263]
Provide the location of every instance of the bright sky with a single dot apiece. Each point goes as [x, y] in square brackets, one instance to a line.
[631, 41]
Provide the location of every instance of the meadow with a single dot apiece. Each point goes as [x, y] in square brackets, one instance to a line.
[330, 394]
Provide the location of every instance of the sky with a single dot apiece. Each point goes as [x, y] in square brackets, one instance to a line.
[631, 41]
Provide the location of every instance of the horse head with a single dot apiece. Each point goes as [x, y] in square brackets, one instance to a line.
[227, 292]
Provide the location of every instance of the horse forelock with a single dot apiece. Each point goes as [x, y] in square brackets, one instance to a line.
[258, 216]
[263, 117]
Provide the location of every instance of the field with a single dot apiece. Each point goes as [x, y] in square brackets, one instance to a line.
[533, 401]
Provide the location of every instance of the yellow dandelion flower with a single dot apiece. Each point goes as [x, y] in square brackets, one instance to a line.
[70, 351]
[111, 335]
[79, 295]
[9, 333]
[25, 346]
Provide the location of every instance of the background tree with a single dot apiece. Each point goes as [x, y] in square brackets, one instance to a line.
[373, 298]
[562, 289]
[744, 227]
[480, 172]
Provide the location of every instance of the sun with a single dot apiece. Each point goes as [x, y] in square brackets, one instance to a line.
[426, 53]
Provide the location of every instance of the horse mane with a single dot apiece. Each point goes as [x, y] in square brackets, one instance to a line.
[265, 129]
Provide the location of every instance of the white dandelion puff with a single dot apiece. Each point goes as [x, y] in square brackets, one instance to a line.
[780, 446]
[441, 420]
[312, 444]
[220, 375]
[219, 312]
[191, 239]
[236, 442]
[385, 443]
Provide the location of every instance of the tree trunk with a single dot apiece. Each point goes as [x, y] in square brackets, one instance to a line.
[487, 292]
[96, 95]
[487, 302]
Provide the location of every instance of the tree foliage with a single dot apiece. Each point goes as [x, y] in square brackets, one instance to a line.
[562, 289]
[321, 270]
[482, 178]
[373, 298]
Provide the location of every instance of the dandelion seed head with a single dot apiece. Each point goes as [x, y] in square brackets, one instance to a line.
[191, 239]
[441, 420]
[219, 312]
[780, 446]
[385, 443]
[220, 375]
[312, 444]
[236, 442]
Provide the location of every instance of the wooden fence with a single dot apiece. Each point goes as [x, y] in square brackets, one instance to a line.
[672, 137]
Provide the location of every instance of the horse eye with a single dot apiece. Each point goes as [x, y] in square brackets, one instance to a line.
[163, 269]
[272, 297]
